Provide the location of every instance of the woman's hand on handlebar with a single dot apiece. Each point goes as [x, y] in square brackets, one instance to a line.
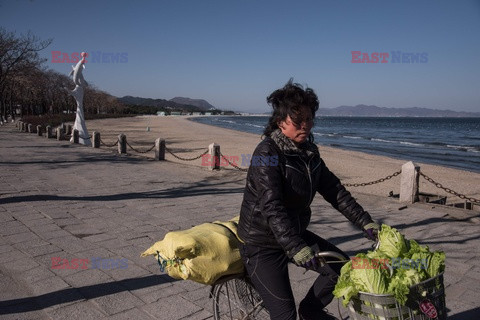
[306, 258]
[371, 231]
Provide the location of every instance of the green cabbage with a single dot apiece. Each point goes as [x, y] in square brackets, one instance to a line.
[392, 242]
[367, 275]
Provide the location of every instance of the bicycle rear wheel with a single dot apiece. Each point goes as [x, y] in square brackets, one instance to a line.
[237, 299]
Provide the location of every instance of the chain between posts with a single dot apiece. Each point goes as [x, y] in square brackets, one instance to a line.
[107, 145]
[233, 164]
[186, 159]
[128, 144]
[440, 186]
[372, 182]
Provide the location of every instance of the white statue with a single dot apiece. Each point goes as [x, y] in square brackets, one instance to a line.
[77, 93]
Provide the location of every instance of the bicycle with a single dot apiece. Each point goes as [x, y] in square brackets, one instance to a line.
[235, 297]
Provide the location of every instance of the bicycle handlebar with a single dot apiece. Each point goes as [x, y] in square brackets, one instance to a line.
[331, 254]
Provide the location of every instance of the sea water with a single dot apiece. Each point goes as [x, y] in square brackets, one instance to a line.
[450, 142]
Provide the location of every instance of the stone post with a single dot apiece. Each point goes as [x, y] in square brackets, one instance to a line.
[48, 132]
[160, 149]
[122, 143]
[39, 131]
[60, 135]
[96, 139]
[19, 126]
[68, 131]
[214, 152]
[75, 136]
[409, 182]
[30, 128]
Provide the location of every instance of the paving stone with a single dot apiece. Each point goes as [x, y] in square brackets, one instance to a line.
[21, 237]
[131, 271]
[20, 265]
[72, 244]
[80, 310]
[171, 308]
[11, 256]
[163, 291]
[87, 277]
[117, 302]
[99, 237]
[49, 235]
[201, 315]
[48, 285]
[13, 231]
[37, 222]
[59, 299]
[36, 274]
[134, 313]
[197, 294]
[6, 248]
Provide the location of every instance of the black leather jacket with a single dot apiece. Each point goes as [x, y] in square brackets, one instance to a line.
[281, 183]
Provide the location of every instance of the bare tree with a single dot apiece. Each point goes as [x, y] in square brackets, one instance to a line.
[17, 55]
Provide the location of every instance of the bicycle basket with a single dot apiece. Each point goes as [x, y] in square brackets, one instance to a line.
[422, 296]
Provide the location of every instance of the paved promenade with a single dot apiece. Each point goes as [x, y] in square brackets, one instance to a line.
[73, 202]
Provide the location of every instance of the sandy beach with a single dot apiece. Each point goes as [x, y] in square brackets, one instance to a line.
[189, 139]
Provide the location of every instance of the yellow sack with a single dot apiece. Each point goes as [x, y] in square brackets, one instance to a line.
[202, 254]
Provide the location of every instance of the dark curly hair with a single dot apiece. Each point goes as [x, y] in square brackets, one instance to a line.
[289, 101]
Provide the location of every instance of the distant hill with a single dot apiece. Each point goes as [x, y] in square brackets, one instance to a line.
[160, 104]
[200, 103]
[362, 110]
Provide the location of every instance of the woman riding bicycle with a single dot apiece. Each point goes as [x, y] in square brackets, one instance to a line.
[285, 173]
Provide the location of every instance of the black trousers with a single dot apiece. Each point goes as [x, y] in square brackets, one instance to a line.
[268, 270]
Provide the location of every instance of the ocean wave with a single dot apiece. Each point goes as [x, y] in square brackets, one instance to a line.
[352, 137]
[227, 121]
[412, 144]
[325, 134]
[381, 140]
[464, 148]
[254, 125]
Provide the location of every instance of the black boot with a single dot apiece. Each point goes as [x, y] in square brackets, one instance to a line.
[307, 313]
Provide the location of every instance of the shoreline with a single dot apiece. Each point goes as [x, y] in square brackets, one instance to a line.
[403, 151]
[188, 139]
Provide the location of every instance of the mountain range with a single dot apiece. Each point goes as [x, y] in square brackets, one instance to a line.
[362, 110]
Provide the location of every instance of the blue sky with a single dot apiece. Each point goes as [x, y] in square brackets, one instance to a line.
[234, 53]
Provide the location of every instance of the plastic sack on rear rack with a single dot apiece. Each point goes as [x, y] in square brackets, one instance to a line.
[202, 254]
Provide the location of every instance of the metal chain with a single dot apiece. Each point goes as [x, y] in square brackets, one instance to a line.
[186, 159]
[438, 185]
[106, 145]
[372, 182]
[233, 164]
[85, 138]
[128, 144]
